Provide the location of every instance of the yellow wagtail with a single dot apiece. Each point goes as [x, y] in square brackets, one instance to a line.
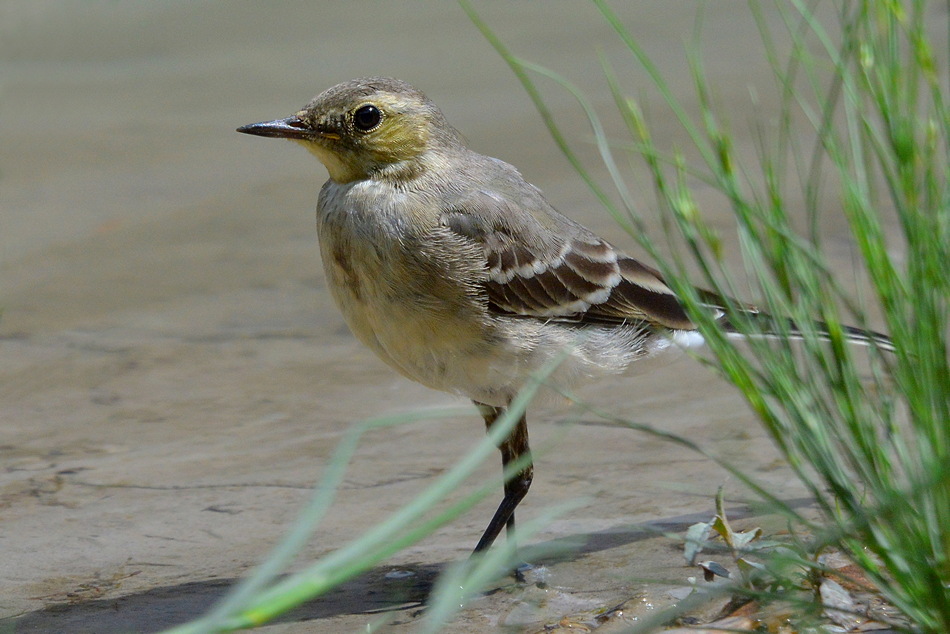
[459, 274]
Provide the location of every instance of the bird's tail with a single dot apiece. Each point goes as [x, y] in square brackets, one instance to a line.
[770, 326]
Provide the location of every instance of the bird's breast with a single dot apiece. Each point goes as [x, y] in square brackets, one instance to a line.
[399, 293]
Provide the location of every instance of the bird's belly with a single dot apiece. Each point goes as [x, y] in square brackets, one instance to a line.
[433, 340]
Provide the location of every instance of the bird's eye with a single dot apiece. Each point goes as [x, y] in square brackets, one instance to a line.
[367, 117]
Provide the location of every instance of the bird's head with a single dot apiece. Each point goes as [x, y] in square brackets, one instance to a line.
[365, 126]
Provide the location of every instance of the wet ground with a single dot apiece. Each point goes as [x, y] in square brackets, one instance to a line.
[174, 375]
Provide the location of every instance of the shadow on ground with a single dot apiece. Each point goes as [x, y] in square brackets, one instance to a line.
[160, 608]
[372, 593]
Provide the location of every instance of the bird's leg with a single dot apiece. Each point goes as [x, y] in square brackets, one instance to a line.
[512, 448]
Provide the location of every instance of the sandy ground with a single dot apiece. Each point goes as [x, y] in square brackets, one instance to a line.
[174, 375]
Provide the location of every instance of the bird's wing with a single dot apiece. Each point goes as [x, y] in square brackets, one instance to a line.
[543, 265]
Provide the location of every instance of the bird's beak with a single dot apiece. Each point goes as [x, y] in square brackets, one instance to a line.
[289, 128]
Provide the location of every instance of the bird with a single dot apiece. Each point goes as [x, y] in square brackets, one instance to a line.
[461, 276]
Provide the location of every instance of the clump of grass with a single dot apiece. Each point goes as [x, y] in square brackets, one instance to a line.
[868, 433]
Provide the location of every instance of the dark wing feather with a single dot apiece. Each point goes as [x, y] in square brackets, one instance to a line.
[549, 267]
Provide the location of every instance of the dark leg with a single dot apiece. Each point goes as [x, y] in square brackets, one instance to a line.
[512, 448]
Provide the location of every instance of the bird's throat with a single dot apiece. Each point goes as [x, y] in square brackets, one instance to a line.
[341, 170]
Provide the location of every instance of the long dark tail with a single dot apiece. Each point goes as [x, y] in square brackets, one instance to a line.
[780, 326]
